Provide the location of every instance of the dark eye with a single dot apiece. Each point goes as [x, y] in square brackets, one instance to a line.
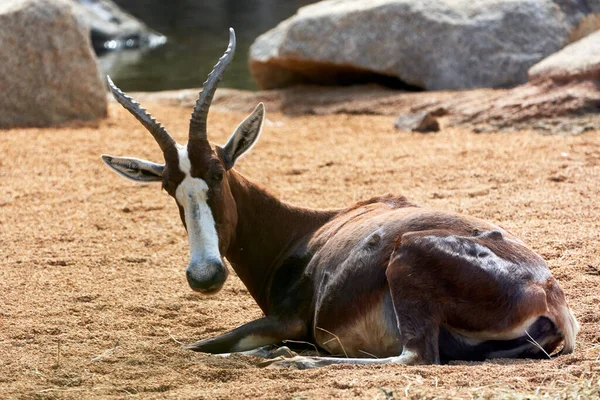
[217, 176]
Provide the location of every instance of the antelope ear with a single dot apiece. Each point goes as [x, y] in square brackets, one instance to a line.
[244, 136]
[134, 168]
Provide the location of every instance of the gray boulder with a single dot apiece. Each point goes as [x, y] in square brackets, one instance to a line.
[431, 44]
[423, 122]
[48, 72]
[579, 60]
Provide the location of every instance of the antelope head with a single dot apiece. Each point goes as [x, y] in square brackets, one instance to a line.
[197, 176]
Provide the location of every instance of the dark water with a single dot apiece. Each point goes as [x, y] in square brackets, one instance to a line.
[197, 33]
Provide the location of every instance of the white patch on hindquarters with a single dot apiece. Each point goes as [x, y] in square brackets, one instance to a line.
[374, 333]
[473, 338]
[192, 195]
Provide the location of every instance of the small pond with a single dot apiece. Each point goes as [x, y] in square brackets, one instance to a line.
[197, 33]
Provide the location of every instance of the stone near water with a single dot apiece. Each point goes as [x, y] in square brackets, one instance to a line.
[431, 44]
[48, 72]
[114, 29]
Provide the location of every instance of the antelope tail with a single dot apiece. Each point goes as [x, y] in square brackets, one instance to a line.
[569, 327]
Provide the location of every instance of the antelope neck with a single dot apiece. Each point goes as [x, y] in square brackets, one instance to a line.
[267, 232]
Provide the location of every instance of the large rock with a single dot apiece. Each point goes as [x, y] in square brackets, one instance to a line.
[48, 72]
[579, 60]
[431, 44]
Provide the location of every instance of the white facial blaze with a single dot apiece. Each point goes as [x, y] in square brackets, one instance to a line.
[192, 195]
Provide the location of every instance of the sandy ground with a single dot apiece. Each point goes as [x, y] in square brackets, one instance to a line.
[93, 297]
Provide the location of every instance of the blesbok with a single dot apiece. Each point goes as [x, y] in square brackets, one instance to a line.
[382, 278]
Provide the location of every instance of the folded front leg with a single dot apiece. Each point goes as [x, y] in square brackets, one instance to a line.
[258, 333]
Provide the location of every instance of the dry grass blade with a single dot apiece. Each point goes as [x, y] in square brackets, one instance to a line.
[62, 390]
[94, 389]
[536, 344]
[113, 388]
[367, 353]
[38, 373]
[335, 337]
[173, 338]
[106, 353]
[57, 365]
[303, 342]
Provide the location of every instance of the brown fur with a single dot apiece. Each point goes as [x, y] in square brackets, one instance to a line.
[350, 258]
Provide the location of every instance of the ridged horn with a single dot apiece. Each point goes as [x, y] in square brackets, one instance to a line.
[160, 134]
[200, 114]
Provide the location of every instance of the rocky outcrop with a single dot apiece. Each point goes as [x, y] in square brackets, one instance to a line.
[563, 97]
[48, 72]
[539, 105]
[565, 84]
[579, 60]
[430, 44]
[546, 107]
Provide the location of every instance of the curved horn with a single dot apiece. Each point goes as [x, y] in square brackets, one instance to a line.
[160, 134]
[200, 114]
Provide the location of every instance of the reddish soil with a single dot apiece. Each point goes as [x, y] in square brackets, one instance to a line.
[93, 297]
